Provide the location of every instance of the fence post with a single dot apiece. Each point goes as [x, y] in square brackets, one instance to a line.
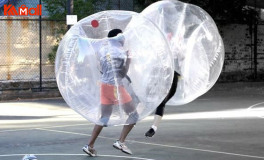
[69, 10]
[255, 49]
[255, 43]
[40, 50]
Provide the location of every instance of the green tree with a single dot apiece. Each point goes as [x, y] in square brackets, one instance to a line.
[57, 10]
[226, 10]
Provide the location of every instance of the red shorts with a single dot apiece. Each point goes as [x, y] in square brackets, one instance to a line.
[109, 94]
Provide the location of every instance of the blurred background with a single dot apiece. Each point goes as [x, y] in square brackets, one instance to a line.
[28, 44]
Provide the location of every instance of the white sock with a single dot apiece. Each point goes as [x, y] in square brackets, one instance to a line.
[157, 119]
[154, 127]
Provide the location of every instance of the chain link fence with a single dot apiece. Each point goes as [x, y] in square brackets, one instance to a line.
[27, 41]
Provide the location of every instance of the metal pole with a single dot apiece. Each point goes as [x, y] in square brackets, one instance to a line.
[40, 50]
[251, 42]
[255, 45]
[255, 50]
[69, 9]
[133, 5]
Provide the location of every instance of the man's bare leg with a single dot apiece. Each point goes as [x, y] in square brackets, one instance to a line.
[96, 131]
[120, 144]
[125, 132]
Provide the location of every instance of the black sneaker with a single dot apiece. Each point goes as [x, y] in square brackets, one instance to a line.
[150, 132]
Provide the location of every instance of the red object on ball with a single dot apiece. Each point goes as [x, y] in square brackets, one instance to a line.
[95, 23]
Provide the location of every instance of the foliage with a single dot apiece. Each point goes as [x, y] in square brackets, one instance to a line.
[82, 8]
[52, 54]
[57, 10]
[229, 11]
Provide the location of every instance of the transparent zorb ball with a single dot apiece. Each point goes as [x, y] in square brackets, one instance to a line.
[117, 80]
[195, 43]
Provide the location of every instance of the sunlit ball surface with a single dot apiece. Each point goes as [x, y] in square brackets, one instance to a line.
[196, 45]
[85, 53]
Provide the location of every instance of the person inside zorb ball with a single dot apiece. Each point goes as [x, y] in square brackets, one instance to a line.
[197, 49]
[196, 45]
[94, 70]
[113, 68]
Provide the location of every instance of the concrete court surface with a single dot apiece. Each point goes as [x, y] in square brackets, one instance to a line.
[224, 124]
